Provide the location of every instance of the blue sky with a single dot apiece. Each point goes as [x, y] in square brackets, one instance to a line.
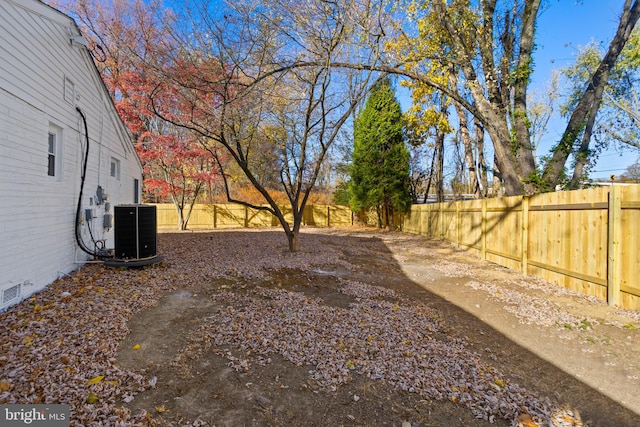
[562, 28]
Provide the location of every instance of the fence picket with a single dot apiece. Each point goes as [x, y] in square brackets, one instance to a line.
[614, 255]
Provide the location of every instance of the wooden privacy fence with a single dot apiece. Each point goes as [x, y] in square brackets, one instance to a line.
[586, 240]
[206, 217]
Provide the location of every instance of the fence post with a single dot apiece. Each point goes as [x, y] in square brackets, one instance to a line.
[613, 246]
[458, 223]
[525, 235]
[432, 231]
[483, 244]
[328, 216]
[246, 217]
[215, 216]
[441, 219]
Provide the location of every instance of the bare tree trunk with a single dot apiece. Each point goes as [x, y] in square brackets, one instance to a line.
[524, 149]
[292, 237]
[439, 173]
[431, 174]
[388, 213]
[496, 191]
[291, 232]
[483, 189]
[582, 155]
[468, 149]
[183, 219]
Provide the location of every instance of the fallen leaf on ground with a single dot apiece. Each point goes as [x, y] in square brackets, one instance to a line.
[96, 380]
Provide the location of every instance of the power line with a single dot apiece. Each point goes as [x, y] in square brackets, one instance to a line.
[611, 170]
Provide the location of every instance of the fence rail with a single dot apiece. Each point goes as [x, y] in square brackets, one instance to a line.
[585, 240]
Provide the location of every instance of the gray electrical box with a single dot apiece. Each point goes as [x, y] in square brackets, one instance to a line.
[107, 221]
[100, 196]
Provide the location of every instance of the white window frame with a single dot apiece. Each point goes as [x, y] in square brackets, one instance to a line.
[54, 152]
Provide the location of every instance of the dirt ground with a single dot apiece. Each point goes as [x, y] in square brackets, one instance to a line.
[571, 350]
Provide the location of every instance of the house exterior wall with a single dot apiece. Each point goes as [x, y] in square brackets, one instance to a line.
[44, 78]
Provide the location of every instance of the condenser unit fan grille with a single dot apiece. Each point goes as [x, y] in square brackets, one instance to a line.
[135, 232]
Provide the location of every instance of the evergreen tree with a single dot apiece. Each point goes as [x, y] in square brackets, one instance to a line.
[380, 176]
[342, 194]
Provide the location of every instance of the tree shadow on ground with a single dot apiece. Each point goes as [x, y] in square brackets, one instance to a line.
[207, 388]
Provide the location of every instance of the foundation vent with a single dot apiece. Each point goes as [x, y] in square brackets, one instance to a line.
[10, 296]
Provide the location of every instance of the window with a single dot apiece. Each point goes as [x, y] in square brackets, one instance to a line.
[115, 168]
[136, 196]
[54, 152]
[51, 165]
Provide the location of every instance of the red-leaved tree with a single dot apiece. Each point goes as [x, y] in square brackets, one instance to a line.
[126, 37]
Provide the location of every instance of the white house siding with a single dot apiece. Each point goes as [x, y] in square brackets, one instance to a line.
[37, 211]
